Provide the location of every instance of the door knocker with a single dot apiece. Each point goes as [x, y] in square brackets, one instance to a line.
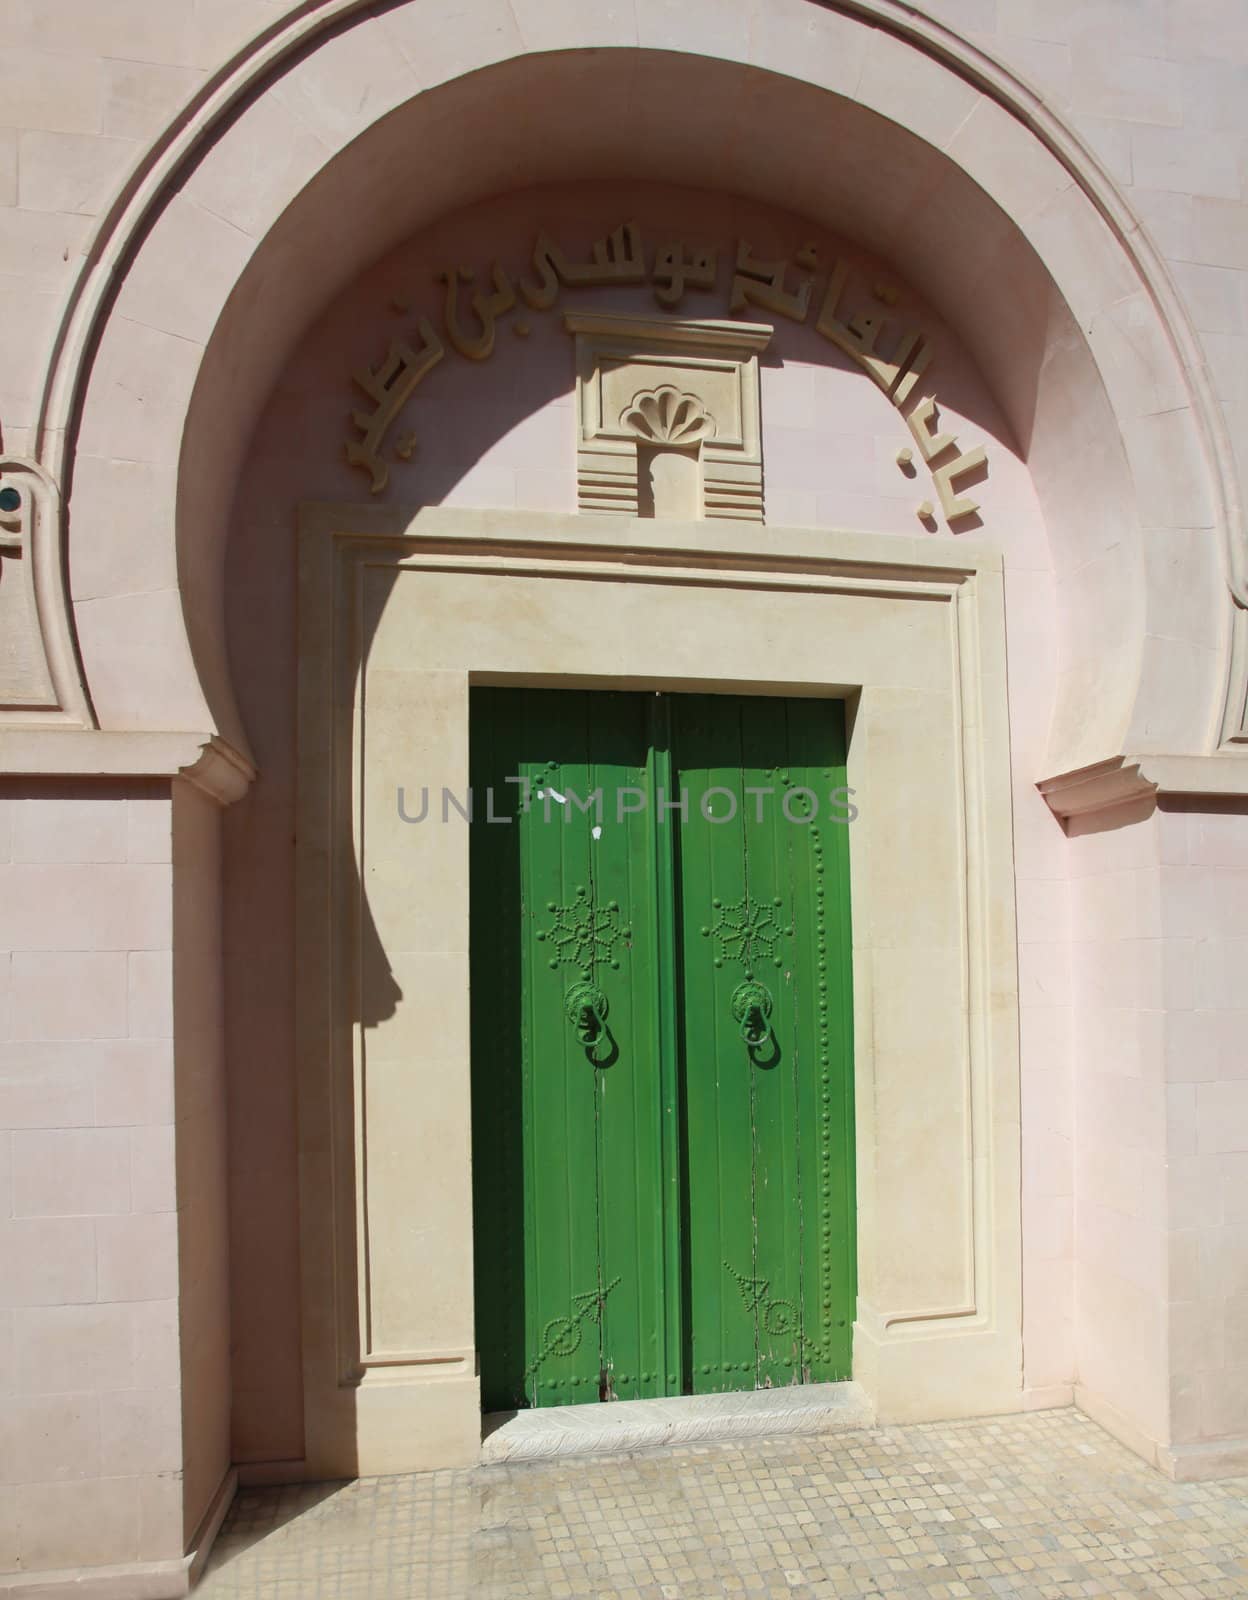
[751, 1009]
[585, 1006]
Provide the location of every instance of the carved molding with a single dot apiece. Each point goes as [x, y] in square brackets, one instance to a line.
[665, 416]
[1101, 787]
[40, 679]
[1126, 780]
[696, 380]
[220, 771]
[1235, 711]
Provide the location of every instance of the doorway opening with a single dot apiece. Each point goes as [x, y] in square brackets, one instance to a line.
[662, 1059]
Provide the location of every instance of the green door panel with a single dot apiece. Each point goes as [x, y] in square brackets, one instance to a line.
[568, 1154]
[660, 1206]
[763, 888]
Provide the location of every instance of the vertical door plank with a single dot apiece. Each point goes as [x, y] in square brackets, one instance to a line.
[817, 751]
[661, 780]
[561, 1223]
[779, 959]
[630, 1117]
[720, 1244]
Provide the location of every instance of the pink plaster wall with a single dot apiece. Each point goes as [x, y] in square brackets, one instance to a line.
[1159, 949]
[202, 1155]
[1204, 910]
[114, 1290]
[501, 434]
[90, 1412]
[1125, 975]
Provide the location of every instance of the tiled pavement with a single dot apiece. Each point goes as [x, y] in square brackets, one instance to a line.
[1035, 1508]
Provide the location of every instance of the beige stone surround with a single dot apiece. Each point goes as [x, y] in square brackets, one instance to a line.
[399, 614]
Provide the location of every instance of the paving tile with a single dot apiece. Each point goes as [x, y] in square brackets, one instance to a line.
[1041, 1507]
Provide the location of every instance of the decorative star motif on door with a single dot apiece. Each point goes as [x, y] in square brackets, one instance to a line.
[747, 933]
[583, 933]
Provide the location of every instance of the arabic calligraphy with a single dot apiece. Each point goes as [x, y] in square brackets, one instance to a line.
[391, 386]
[487, 308]
[761, 283]
[674, 271]
[618, 258]
[896, 358]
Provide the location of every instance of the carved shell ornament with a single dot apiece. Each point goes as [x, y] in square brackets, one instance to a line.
[665, 416]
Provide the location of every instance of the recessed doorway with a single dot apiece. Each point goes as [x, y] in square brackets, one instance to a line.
[662, 1063]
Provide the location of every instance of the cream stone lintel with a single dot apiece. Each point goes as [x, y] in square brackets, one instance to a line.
[400, 613]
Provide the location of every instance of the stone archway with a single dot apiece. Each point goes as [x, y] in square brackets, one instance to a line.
[927, 142]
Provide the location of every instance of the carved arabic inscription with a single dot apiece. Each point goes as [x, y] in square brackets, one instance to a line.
[897, 362]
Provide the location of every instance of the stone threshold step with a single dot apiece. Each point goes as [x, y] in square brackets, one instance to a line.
[682, 1419]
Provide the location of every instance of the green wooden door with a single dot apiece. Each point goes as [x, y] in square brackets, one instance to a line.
[663, 1184]
[767, 1109]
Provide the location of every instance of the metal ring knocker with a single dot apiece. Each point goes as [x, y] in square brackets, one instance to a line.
[585, 1006]
[751, 1009]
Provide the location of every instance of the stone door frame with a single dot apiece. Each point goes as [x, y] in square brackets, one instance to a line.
[399, 612]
